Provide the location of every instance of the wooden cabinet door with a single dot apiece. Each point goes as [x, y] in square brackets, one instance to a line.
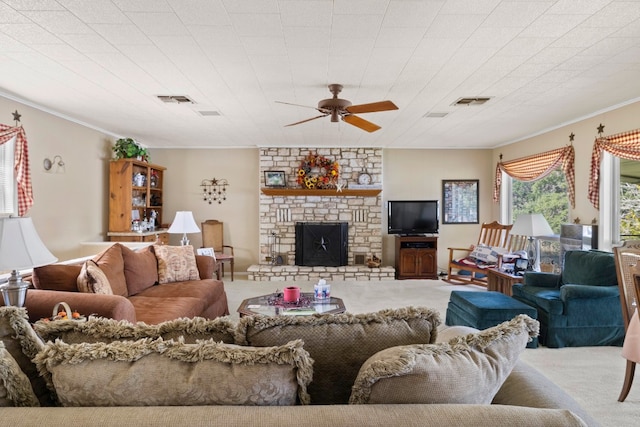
[409, 262]
[428, 263]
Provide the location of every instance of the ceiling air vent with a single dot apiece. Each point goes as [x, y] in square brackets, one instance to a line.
[175, 99]
[209, 113]
[477, 100]
[435, 115]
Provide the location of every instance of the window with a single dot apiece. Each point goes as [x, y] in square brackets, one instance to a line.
[547, 196]
[8, 197]
[629, 203]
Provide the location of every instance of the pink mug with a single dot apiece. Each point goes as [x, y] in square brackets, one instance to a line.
[291, 294]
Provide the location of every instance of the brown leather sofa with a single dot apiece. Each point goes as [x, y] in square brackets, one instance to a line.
[137, 295]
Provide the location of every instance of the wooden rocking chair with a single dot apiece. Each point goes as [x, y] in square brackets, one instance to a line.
[492, 234]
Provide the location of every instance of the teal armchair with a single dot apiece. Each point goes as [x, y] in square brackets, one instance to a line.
[580, 306]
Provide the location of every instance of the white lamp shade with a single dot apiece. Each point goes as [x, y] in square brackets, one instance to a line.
[20, 245]
[183, 223]
[533, 225]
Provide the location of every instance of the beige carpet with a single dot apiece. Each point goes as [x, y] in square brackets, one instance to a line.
[592, 375]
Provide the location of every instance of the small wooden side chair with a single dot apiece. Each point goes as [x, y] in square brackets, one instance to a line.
[627, 259]
[213, 237]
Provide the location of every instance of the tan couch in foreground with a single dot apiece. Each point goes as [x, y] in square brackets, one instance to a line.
[159, 365]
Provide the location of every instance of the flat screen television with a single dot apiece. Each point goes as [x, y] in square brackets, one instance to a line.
[412, 216]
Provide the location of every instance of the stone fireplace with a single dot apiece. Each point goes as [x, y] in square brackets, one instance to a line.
[281, 208]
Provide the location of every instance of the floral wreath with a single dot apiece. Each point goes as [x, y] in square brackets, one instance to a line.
[318, 172]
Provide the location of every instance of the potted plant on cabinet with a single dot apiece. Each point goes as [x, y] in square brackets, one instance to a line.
[129, 148]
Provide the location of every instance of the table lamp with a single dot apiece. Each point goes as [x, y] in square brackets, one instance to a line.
[20, 248]
[183, 223]
[532, 225]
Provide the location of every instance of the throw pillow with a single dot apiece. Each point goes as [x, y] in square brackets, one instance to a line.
[468, 369]
[176, 263]
[15, 387]
[140, 269]
[487, 254]
[21, 341]
[151, 372]
[56, 277]
[340, 343]
[221, 329]
[93, 280]
[111, 262]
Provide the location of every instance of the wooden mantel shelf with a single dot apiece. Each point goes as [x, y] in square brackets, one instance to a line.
[368, 192]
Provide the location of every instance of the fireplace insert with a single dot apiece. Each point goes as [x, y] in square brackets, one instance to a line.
[322, 244]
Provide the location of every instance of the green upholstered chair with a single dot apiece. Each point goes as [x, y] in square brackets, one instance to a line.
[580, 306]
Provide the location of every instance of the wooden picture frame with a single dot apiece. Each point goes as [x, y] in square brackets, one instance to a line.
[460, 201]
[275, 179]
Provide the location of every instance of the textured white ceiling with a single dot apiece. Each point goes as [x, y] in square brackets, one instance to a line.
[100, 62]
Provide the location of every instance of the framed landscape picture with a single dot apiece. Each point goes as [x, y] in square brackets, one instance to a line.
[460, 201]
[274, 179]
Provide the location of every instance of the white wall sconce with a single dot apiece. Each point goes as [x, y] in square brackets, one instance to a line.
[57, 161]
[214, 190]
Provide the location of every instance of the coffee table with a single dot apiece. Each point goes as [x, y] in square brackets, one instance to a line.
[270, 305]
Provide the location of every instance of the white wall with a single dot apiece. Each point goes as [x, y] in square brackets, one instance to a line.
[69, 207]
[418, 175]
[182, 192]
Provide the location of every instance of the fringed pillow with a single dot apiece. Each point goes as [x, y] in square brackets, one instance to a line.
[176, 263]
[93, 280]
[15, 387]
[221, 329]
[172, 373]
[467, 369]
[21, 341]
[340, 343]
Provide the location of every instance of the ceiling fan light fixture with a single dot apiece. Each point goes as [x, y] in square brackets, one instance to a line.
[339, 108]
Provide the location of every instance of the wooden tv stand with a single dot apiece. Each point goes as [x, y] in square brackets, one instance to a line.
[416, 257]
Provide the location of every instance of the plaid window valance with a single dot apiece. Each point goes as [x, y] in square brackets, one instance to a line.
[21, 165]
[625, 145]
[537, 166]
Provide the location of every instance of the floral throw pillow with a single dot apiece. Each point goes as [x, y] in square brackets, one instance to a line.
[176, 263]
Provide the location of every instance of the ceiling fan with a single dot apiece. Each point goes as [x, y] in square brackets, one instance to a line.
[339, 108]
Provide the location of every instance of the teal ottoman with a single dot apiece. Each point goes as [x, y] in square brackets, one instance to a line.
[482, 310]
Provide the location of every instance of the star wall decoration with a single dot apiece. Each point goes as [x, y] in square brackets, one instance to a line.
[572, 136]
[16, 117]
[600, 128]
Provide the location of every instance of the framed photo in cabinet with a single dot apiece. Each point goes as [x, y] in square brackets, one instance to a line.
[460, 201]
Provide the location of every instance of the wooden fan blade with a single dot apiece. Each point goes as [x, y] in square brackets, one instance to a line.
[307, 120]
[296, 105]
[372, 108]
[361, 123]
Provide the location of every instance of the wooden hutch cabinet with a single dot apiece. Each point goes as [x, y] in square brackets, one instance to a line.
[135, 190]
[416, 257]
